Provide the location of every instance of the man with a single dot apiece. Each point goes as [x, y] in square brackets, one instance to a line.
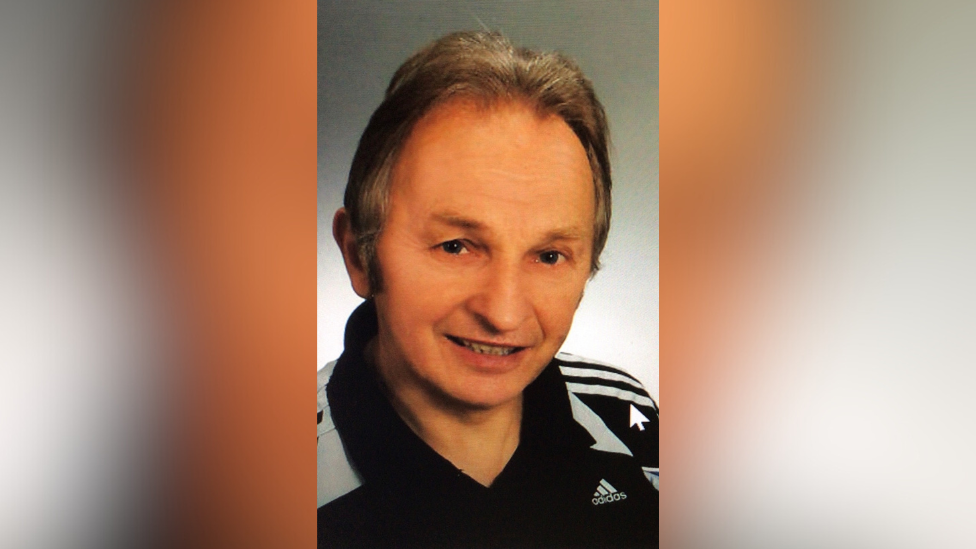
[476, 209]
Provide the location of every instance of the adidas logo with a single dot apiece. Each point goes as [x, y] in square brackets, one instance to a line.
[606, 493]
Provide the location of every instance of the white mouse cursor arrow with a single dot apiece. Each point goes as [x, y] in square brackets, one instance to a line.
[637, 418]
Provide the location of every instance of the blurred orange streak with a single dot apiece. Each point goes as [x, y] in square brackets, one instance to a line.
[228, 140]
[730, 94]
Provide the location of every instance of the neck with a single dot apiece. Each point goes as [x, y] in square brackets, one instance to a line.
[478, 441]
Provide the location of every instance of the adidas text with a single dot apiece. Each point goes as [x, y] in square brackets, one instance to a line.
[609, 498]
[605, 493]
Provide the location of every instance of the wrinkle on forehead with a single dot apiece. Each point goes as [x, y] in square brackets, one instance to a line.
[493, 125]
[505, 168]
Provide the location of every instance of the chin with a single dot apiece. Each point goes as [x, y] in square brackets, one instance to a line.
[482, 394]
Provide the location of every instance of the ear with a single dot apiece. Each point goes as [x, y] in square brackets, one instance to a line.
[344, 237]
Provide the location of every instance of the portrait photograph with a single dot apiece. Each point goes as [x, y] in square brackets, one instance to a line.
[487, 274]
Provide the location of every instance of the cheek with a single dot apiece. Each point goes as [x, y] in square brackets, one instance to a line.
[558, 323]
[417, 282]
[416, 291]
[557, 308]
[409, 260]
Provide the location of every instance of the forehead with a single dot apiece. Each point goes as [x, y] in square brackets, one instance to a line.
[495, 161]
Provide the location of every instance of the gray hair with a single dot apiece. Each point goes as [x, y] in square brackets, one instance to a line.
[483, 66]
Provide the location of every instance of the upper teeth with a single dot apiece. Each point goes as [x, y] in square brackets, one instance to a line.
[488, 349]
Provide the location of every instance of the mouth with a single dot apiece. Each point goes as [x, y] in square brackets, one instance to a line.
[484, 348]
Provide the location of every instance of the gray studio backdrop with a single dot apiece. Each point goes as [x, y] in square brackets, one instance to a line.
[360, 45]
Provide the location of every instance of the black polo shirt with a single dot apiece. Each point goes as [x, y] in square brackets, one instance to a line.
[570, 482]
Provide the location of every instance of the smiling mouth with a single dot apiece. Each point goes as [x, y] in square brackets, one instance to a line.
[484, 349]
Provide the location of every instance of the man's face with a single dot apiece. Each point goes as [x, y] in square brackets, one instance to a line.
[484, 254]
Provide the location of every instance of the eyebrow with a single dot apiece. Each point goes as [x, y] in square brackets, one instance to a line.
[459, 221]
[568, 233]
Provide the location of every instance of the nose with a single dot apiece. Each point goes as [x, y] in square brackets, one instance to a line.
[501, 303]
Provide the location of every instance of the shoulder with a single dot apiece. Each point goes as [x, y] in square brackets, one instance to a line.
[322, 379]
[614, 408]
[590, 377]
[335, 473]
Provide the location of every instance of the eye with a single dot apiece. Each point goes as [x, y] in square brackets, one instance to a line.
[453, 247]
[550, 257]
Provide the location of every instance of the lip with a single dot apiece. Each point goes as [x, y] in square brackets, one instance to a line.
[487, 363]
[457, 340]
